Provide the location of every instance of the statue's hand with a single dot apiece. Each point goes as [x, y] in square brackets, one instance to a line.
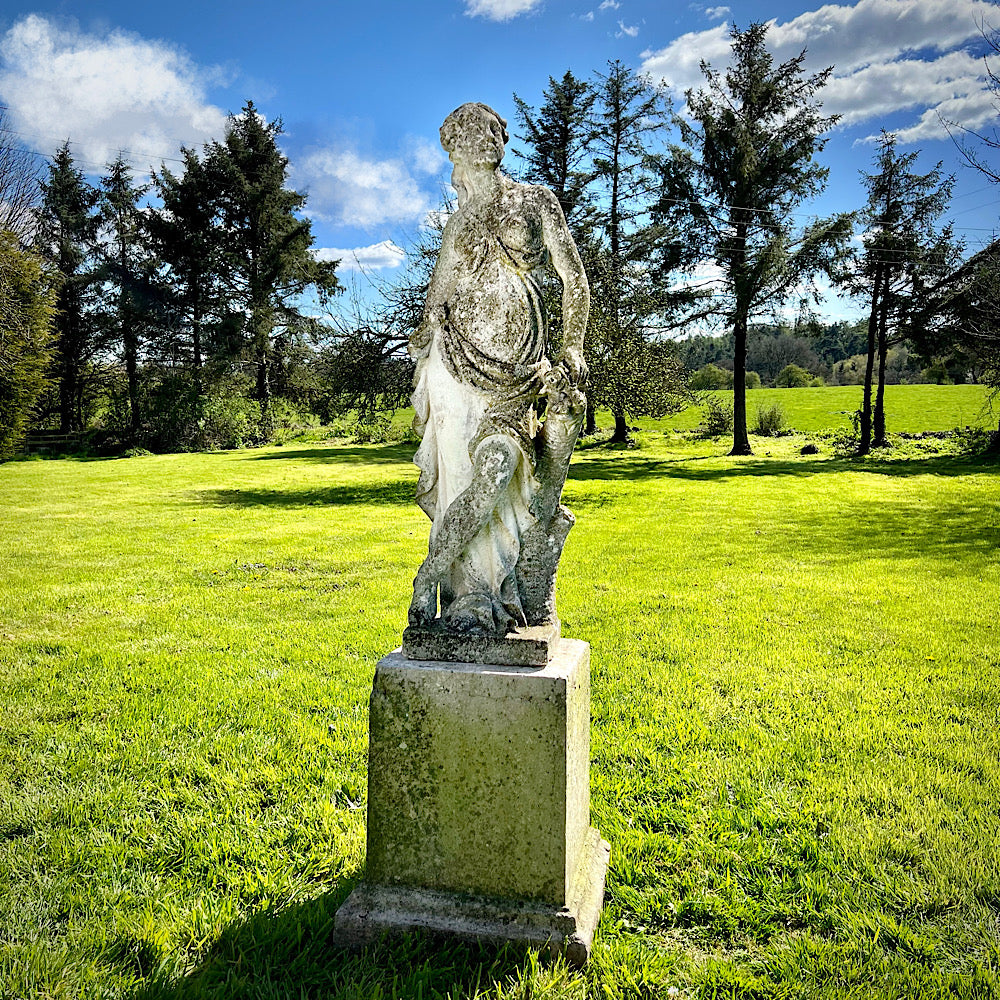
[572, 362]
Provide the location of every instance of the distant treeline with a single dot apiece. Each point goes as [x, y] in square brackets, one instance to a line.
[827, 353]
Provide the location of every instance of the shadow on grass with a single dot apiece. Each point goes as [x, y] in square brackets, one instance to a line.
[394, 492]
[399, 451]
[294, 952]
[635, 468]
[934, 527]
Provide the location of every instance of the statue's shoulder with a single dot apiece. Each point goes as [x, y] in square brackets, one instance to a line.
[539, 200]
[539, 195]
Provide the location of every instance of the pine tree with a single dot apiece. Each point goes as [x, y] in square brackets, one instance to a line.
[558, 136]
[630, 371]
[132, 300]
[906, 254]
[186, 237]
[66, 229]
[751, 135]
[266, 245]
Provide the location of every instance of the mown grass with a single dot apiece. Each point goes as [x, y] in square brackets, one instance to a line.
[795, 725]
[908, 408]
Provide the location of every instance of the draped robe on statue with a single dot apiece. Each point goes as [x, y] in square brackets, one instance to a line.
[478, 379]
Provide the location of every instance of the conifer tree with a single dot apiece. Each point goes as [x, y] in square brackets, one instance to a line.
[631, 371]
[186, 237]
[266, 245]
[127, 272]
[748, 162]
[907, 252]
[64, 235]
[557, 139]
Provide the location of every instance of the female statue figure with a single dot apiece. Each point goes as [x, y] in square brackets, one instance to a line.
[497, 416]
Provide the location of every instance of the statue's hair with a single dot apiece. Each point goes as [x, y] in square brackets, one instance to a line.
[498, 125]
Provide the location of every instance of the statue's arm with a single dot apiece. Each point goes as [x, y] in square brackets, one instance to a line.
[576, 290]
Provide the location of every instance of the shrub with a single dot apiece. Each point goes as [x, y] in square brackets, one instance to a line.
[973, 440]
[770, 421]
[817, 383]
[792, 377]
[290, 421]
[718, 417]
[27, 306]
[711, 377]
[752, 380]
[936, 374]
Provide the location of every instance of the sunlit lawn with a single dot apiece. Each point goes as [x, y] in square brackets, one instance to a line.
[795, 726]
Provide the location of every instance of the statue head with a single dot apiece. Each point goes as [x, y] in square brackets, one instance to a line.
[476, 134]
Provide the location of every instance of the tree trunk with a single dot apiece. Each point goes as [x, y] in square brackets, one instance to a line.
[265, 430]
[741, 440]
[67, 396]
[621, 435]
[993, 448]
[590, 421]
[132, 373]
[865, 442]
[878, 420]
[196, 346]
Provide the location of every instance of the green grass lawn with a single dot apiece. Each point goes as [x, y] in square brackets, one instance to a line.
[795, 734]
[908, 408]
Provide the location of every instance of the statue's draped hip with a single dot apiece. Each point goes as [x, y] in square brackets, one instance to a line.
[478, 381]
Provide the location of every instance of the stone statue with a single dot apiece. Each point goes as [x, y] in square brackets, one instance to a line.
[498, 417]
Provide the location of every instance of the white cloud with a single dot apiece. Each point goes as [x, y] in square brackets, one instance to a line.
[499, 10]
[627, 29]
[376, 257]
[104, 93]
[609, 5]
[346, 189]
[589, 16]
[888, 56]
[713, 13]
[427, 157]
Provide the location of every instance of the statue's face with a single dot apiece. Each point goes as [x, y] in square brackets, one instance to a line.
[472, 136]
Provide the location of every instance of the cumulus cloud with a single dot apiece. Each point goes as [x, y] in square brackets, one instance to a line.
[627, 29]
[499, 10]
[348, 189]
[378, 256]
[713, 13]
[888, 56]
[104, 93]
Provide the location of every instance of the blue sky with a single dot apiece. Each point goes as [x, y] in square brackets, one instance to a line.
[363, 87]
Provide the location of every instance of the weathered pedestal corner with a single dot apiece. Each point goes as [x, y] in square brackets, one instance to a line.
[374, 910]
[479, 804]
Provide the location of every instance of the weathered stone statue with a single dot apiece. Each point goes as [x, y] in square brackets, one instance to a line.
[497, 416]
[479, 741]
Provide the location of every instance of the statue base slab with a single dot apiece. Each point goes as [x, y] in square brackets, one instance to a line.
[479, 804]
[531, 646]
[374, 910]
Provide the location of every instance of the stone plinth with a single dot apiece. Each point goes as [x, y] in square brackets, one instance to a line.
[479, 803]
[530, 646]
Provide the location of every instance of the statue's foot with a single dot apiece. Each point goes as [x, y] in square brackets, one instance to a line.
[423, 606]
[471, 614]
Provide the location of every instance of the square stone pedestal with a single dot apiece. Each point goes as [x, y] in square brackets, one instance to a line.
[479, 804]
